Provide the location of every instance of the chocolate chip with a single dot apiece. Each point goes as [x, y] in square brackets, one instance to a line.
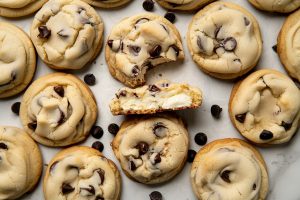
[98, 146]
[110, 43]
[200, 138]
[132, 166]
[254, 187]
[59, 90]
[246, 21]
[66, 188]
[96, 132]
[135, 50]
[157, 159]
[170, 16]
[286, 126]
[101, 174]
[155, 195]
[155, 51]
[113, 129]
[225, 176]
[199, 44]
[122, 93]
[148, 5]
[217, 30]
[274, 48]
[44, 32]
[142, 20]
[62, 33]
[62, 118]
[143, 148]
[153, 88]
[52, 167]
[90, 190]
[159, 129]
[90, 79]
[176, 49]
[241, 117]
[98, 197]
[3, 146]
[32, 125]
[135, 71]
[191, 155]
[229, 44]
[15, 108]
[216, 111]
[266, 135]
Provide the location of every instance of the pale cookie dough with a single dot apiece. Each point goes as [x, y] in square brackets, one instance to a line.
[81, 173]
[183, 5]
[288, 47]
[224, 40]
[67, 34]
[265, 107]
[107, 3]
[152, 149]
[17, 60]
[20, 163]
[158, 97]
[229, 169]
[281, 6]
[19, 8]
[139, 43]
[58, 110]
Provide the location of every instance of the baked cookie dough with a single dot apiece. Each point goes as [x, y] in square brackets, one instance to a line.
[20, 163]
[289, 45]
[183, 5]
[229, 169]
[19, 8]
[224, 40]
[281, 6]
[139, 43]
[67, 34]
[107, 3]
[158, 97]
[152, 149]
[58, 110]
[265, 107]
[17, 60]
[81, 173]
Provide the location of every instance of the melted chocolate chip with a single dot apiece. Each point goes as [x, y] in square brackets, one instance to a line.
[98, 197]
[246, 21]
[157, 159]
[15, 108]
[90, 190]
[3, 146]
[217, 30]
[143, 148]
[148, 5]
[170, 16]
[110, 43]
[62, 118]
[101, 174]
[254, 187]
[266, 135]
[62, 33]
[225, 176]
[159, 129]
[32, 125]
[191, 155]
[200, 138]
[135, 71]
[153, 88]
[59, 90]
[286, 126]
[113, 129]
[199, 43]
[132, 166]
[98, 146]
[274, 48]
[66, 188]
[229, 44]
[96, 132]
[155, 196]
[44, 32]
[90, 79]
[122, 93]
[155, 51]
[216, 111]
[135, 50]
[52, 167]
[241, 117]
[176, 49]
[142, 20]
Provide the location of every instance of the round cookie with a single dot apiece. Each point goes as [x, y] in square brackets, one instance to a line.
[67, 34]
[19, 8]
[183, 5]
[229, 169]
[139, 43]
[265, 107]
[81, 173]
[20, 163]
[289, 44]
[224, 40]
[17, 60]
[152, 149]
[107, 3]
[58, 110]
[281, 6]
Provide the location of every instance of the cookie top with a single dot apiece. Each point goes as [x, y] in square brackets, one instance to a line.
[107, 3]
[281, 6]
[58, 110]
[17, 60]
[289, 44]
[81, 173]
[158, 97]
[231, 169]
[139, 43]
[183, 5]
[20, 163]
[152, 149]
[19, 8]
[265, 107]
[224, 40]
[67, 34]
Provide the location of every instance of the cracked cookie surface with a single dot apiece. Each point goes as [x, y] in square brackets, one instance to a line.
[229, 169]
[139, 43]
[281, 6]
[183, 5]
[107, 3]
[17, 60]
[58, 110]
[81, 173]
[265, 107]
[67, 34]
[152, 149]
[159, 97]
[19, 8]
[224, 40]
[20, 163]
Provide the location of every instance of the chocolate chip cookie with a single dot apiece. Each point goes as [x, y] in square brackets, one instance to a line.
[183, 5]
[107, 3]
[19, 8]
[281, 6]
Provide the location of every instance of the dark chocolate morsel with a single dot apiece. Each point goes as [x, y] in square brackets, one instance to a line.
[143, 148]
[90, 79]
[135, 71]
[199, 43]
[90, 190]
[170, 16]
[148, 5]
[62, 118]
[155, 196]
[246, 20]
[98, 197]
[200, 138]
[3, 146]
[191, 155]
[96, 132]
[110, 43]
[153, 88]
[159, 129]
[286, 126]
[62, 33]
[133, 49]
[216, 111]
[44, 32]
[157, 159]
[59, 90]
[52, 167]
[113, 129]
[98, 146]
[266, 135]
[66, 188]
[32, 125]
[241, 117]
[254, 187]
[229, 44]
[101, 174]
[274, 48]
[132, 166]
[15, 108]
[225, 176]
[176, 49]
[155, 51]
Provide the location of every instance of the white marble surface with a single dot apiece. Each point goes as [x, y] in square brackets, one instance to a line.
[283, 161]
